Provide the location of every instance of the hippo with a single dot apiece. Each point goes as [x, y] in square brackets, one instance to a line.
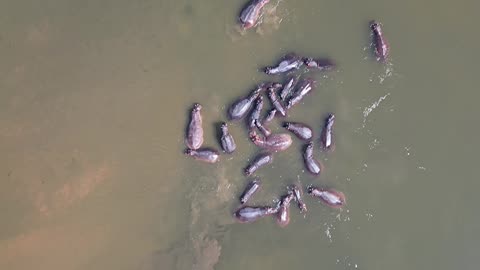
[289, 86]
[255, 114]
[272, 95]
[380, 44]
[330, 197]
[249, 214]
[300, 130]
[283, 215]
[298, 197]
[312, 165]
[323, 64]
[327, 134]
[289, 62]
[258, 162]
[250, 14]
[206, 154]
[263, 129]
[274, 142]
[226, 140]
[251, 188]
[269, 116]
[240, 108]
[194, 138]
[305, 87]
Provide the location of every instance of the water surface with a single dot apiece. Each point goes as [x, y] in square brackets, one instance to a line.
[94, 97]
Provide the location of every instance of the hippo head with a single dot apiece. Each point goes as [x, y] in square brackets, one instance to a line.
[289, 104]
[197, 107]
[276, 85]
[268, 70]
[254, 136]
[308, 61]
[330, 118]
[224, 127]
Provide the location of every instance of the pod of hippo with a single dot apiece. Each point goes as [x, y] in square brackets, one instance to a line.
[282, 99]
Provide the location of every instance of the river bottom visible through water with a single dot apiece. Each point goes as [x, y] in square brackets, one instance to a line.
[94, 101]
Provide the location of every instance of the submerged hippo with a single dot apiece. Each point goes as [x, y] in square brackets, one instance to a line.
[240, 108]
[263, 129]
[380, 44]
[269, 116]
[194, 138]
[327, 134]
[226, 140]
[248, 214]
[251, 188]
[205, 155]
[330, 197]
[319, 63]
[312, 165]
[258, 162]
[305, 87]
[250, 14]
[289, 62]
[300, 130]
[274, 142]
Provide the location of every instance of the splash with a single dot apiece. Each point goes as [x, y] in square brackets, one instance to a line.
[373, 106]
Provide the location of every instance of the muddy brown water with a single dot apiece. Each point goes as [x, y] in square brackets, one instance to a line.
[93, 107]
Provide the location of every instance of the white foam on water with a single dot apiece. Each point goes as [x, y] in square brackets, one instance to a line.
[346, 261]
[374, 144]
[328, 232]
[373, 106]
[369, 216]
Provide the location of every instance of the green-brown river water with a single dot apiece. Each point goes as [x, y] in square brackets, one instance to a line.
[94, 99]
